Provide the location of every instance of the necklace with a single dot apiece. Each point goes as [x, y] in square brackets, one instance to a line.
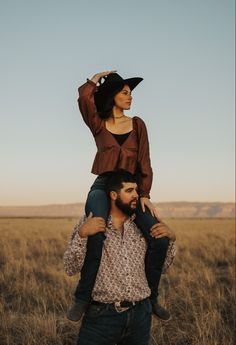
[118, 117]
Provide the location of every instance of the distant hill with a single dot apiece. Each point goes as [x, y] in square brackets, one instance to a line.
[165, 209]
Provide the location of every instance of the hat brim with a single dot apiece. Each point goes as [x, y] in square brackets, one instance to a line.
[110, 88]
[132, 82]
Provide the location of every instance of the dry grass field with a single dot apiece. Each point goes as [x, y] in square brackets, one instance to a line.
[35, 292]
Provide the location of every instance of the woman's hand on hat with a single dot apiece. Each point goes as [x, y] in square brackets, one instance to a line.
[98, 76]
[146, 202]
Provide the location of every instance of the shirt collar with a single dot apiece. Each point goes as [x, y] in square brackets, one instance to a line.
[128, 220]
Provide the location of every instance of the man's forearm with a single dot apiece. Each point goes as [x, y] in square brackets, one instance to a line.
[74, 255]
[170, 255]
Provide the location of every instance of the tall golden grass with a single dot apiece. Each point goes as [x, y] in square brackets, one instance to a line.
[35, 291]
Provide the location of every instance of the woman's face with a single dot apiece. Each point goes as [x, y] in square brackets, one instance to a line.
[123, 98]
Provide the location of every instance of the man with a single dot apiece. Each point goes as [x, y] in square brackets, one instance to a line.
[120, 312]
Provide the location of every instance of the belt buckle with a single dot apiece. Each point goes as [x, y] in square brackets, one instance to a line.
[118, 307]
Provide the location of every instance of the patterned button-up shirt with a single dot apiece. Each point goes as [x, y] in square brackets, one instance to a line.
[121, 275]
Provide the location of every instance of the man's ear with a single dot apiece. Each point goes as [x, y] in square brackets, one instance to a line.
[113, 195]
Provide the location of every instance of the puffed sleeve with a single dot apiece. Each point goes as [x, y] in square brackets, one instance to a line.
[145, 173]
[87, 106]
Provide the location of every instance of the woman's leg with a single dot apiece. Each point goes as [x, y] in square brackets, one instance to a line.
[156, 252]
[99, 204]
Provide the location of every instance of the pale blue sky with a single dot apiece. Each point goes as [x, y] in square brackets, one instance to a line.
[183, 49]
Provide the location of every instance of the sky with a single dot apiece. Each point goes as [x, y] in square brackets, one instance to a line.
[184, 51]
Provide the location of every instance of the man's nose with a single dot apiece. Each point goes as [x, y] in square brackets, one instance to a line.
[135, 194]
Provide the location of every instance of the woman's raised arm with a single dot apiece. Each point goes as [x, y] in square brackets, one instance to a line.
[86, 101]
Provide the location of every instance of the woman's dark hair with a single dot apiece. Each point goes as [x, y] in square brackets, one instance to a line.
[105, 110]
[115, 181]
[107, 106]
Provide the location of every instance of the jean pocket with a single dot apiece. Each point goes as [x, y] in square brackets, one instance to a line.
[95, 311]
[147, 306]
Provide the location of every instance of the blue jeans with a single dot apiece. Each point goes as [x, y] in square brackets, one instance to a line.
[99, 204]
[103, 325]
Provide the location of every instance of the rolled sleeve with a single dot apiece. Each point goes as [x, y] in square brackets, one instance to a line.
[170, 255]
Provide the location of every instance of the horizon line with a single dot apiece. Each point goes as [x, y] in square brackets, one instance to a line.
[155, 202]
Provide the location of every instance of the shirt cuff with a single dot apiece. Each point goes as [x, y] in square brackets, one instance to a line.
[143, 195]
[89, 81]
[80, 241]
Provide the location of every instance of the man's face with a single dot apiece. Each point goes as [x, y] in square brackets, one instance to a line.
[127, 198]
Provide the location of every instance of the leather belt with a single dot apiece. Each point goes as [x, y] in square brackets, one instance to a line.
[119, 306]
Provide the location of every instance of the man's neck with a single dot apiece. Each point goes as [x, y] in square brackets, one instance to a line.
[118, 218]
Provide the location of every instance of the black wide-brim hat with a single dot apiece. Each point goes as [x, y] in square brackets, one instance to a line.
[113, 83]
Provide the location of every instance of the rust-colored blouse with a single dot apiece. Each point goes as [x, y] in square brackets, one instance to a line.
[133, 155]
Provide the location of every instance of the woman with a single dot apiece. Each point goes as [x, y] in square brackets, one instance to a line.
[122, 144]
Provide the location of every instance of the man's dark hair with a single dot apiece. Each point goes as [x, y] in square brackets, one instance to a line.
[116, 180]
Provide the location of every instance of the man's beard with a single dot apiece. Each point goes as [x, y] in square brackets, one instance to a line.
[125, 208]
